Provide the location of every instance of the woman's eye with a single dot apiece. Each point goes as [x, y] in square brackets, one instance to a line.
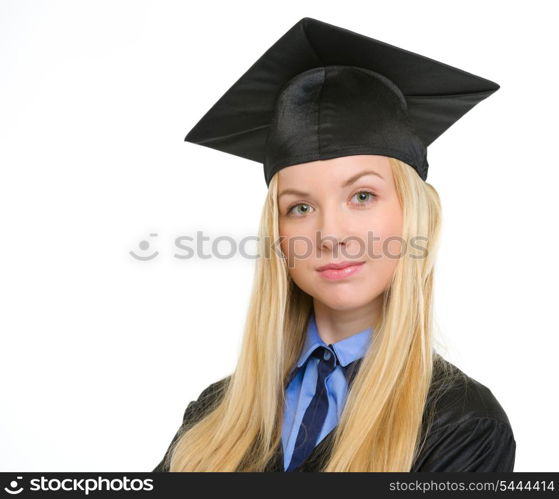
[363, 197]
[301, 209]
[305, 209]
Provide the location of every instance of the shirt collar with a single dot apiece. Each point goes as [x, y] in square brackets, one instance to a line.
[346, 350]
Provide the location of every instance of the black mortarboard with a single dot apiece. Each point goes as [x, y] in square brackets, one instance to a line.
[322, 91]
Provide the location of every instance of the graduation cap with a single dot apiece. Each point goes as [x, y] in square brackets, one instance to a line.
[322, 91]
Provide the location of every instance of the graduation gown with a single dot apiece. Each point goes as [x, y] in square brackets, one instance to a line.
[470, 431]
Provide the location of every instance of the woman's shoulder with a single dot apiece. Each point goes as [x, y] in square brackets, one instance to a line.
[196, 409]
[215, 389]
[458, 397]
[194, 412]
[467, 428]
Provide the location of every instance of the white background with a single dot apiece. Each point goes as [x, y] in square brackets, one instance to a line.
[101, 352]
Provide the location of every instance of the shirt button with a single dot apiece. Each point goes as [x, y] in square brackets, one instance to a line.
[327, 355]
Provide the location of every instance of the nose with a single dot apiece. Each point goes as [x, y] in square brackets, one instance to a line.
[331, 232]
[330, 243]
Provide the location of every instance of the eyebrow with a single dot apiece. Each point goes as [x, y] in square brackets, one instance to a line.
[348, 182]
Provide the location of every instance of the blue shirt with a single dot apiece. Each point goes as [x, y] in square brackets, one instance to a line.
[301, 388]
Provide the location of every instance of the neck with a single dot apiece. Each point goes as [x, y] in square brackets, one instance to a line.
[336, 325]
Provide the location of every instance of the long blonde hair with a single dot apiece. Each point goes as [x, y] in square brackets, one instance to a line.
[380, 426]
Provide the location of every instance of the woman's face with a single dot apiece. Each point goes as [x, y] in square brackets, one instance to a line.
[336, 211]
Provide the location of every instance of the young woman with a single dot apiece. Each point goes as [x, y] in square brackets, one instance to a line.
[337, 369]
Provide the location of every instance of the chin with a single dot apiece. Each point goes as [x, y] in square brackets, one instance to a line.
[338, 306]
[342, 298]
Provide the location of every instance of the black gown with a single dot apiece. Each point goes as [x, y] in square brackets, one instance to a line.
[470, 430]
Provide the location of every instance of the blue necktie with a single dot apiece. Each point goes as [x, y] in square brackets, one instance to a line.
[316, 411]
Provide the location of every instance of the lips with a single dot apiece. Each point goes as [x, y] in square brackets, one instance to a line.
[340, 271]
[338, 266]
